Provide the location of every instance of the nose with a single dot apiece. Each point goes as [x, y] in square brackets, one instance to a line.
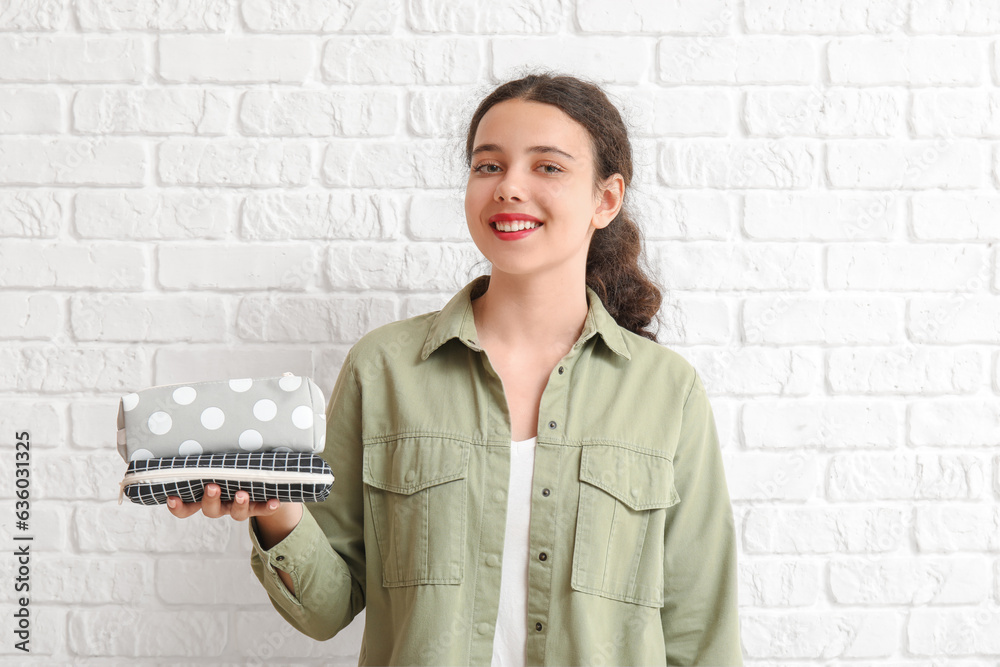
[509, 189]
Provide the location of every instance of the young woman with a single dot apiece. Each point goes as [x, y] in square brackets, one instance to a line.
[524, 476]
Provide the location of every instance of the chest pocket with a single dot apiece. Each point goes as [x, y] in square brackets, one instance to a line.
[618, 550]
[416, 488]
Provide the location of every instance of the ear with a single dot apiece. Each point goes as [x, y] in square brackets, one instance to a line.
[609, 198]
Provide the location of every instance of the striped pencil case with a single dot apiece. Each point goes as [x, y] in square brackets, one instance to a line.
[287, 476]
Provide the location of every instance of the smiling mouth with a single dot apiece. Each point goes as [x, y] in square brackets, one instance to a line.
[515, 225]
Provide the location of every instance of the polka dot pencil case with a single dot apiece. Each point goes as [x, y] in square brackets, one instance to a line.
[287, 476]
[281, 414]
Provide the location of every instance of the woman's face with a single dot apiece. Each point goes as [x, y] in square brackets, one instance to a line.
[532, 162]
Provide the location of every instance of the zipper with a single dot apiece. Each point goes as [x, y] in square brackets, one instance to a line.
[188, 474]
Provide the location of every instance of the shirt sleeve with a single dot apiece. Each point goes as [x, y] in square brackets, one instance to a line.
[325, 552]
[700, 614]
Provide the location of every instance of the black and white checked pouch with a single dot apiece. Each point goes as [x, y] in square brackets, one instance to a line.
[287, 476]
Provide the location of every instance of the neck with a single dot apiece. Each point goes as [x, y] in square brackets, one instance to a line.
[536, 312]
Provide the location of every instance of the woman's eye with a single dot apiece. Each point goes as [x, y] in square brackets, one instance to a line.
[490, 168]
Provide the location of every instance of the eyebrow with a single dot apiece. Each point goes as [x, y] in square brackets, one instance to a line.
[495, 148]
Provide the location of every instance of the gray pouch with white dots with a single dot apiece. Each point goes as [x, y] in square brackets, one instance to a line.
[276, 414]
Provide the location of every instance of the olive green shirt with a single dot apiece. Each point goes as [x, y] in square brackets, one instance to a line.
[632, 542]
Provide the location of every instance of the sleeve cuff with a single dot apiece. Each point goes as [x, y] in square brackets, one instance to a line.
[295, 550]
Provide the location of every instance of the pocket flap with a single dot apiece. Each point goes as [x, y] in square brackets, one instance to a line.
[409, 464]
[640, 480]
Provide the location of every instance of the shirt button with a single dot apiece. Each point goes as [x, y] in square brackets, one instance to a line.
[410, 474]
[498, 496]
[538, 626]
[545, 492]
[492, 560]
[635, 493]
[542, 556]
[552, 424]
[484, 628]
[561, 369]
[279, 558]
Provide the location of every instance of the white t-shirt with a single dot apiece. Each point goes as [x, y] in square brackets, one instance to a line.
[511, 632]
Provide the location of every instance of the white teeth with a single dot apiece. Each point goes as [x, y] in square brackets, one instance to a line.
[515, 226]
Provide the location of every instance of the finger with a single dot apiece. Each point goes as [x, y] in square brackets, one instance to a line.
[180, 509]
[264, 508]
[240, 509]
[211, 502]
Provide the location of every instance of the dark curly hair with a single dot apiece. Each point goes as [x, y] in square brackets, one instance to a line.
[613, 259]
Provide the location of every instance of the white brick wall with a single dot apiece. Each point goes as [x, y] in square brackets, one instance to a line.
[221, 188]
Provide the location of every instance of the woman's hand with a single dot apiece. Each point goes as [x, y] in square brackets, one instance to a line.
[240, 508]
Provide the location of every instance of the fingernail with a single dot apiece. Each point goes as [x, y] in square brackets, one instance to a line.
[171, 503]
[272, 504]
[212, 490]
[240, 499]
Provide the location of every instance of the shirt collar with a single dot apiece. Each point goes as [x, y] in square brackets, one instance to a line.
[455, 320]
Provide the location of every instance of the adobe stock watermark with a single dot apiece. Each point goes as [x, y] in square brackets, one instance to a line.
[336, 599]
[877, 210]
[698, 46]
[80, 150]
[754, 333]
[439, 646]
[968, 637]
[904, 353]
[46, 359]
